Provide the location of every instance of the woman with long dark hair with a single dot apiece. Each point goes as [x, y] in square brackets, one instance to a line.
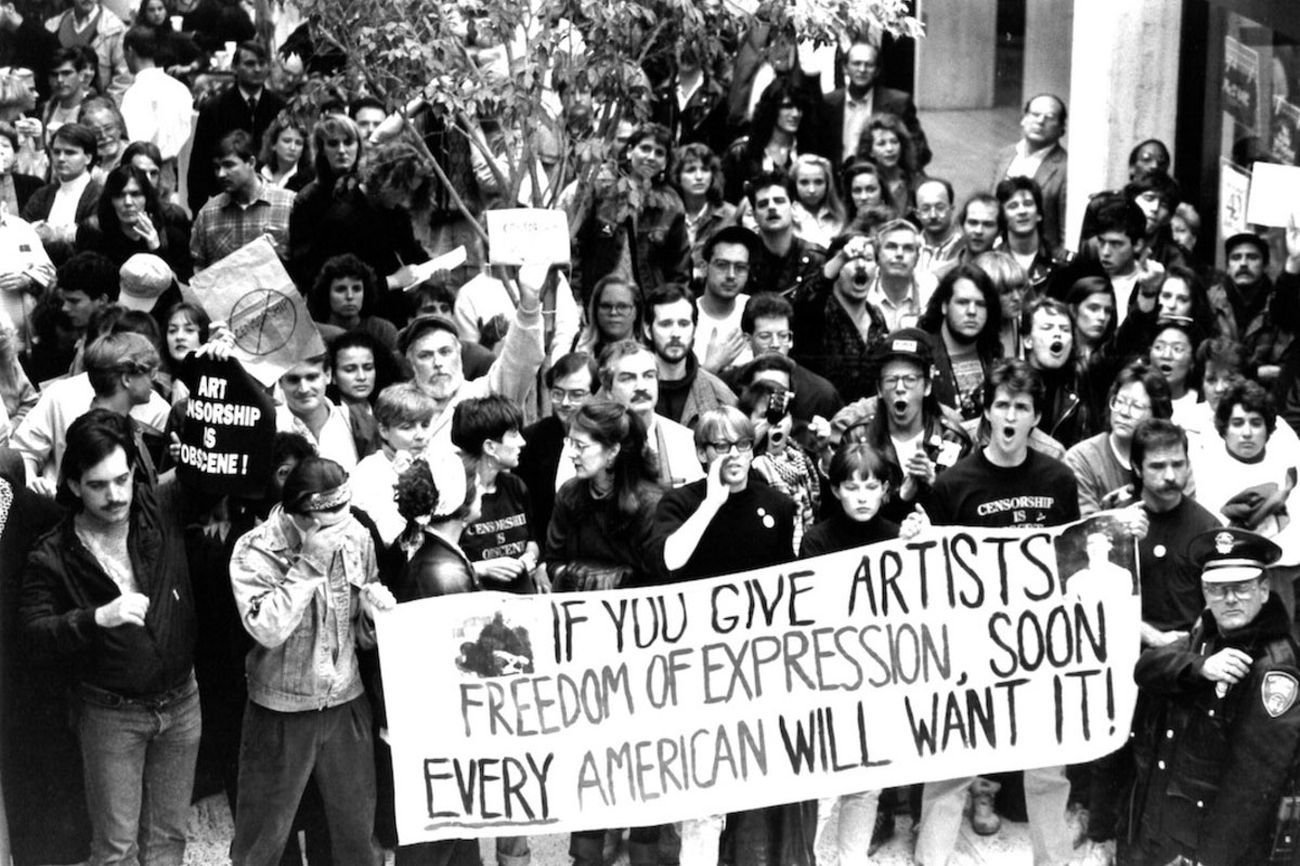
[782, 116]
[130, 220]
[599, 538]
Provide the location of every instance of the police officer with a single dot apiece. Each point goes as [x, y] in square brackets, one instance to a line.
[1218, 720]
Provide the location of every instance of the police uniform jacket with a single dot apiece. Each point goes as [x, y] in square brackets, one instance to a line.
[1213, 764]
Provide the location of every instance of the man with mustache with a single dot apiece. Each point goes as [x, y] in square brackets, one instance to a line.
[1248, 306]
[784, 263]
[686, 390]
[629, 374]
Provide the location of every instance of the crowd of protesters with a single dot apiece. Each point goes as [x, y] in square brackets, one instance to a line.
[791, 334]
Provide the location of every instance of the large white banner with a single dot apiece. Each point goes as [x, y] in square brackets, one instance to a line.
[960, 652]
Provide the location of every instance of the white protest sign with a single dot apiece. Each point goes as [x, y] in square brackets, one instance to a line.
[1274, 194]
[524, 235]
[965, 651]
[253, 294]
[1234, 189]
[445, 262]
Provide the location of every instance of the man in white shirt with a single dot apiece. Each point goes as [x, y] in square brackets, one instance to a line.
[25, 272]
[899, 290]
[629, 375]
[55, 209]
[157, 108]
[308, 412]
[719, 341]
[1039, 155]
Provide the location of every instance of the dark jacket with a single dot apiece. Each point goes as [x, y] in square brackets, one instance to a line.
[828, 342]
[883, 99]
[437, 568]
[538, 464]
[220, 115]
[38, 206]
[64, 584]
[794, 276]
[702, 121]
[656, 236]
[1213, 764]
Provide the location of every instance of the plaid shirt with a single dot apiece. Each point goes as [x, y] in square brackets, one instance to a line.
[224, 226]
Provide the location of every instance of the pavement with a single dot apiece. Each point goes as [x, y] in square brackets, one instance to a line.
[211, 827]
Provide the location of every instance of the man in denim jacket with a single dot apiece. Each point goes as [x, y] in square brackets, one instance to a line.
[306, 585]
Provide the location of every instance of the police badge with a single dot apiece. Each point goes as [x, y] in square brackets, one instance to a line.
[1278, 692]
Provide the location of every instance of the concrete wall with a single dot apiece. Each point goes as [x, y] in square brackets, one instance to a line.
[1123, 88]
[955, 62]
[1049, 26]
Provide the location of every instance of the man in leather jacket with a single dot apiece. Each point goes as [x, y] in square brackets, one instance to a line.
[1218, 721]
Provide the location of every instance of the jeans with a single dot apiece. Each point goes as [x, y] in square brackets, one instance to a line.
[139, 758]
[1047, 796]
[857, 821]
[279, 752]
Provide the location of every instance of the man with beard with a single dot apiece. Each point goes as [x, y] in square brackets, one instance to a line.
[629, 374]
[1049, 348]
[570, 382]
[246, 208]
[1248, 307]
[432, 347]
[836, 329]
[784, 263]
[917, 436]
[686, 390]
[964, 319]
[940, 238]
[989, 489]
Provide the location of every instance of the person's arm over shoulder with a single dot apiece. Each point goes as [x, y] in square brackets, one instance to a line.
[273, 589]
[34, 438]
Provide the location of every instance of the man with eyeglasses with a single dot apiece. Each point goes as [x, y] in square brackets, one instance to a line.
[784, 263]
[917, 436]
[848, 108]
[1039, 155]
[570, 382]
[768, 321]
[1218, 724]
[719, 342]
[697, 532]
[686, 390]
[629, 375]
[941, 240]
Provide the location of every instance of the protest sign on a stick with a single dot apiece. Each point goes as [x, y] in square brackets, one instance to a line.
[962, 652]
[524, 235]
[254, 295]
[228, 430]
